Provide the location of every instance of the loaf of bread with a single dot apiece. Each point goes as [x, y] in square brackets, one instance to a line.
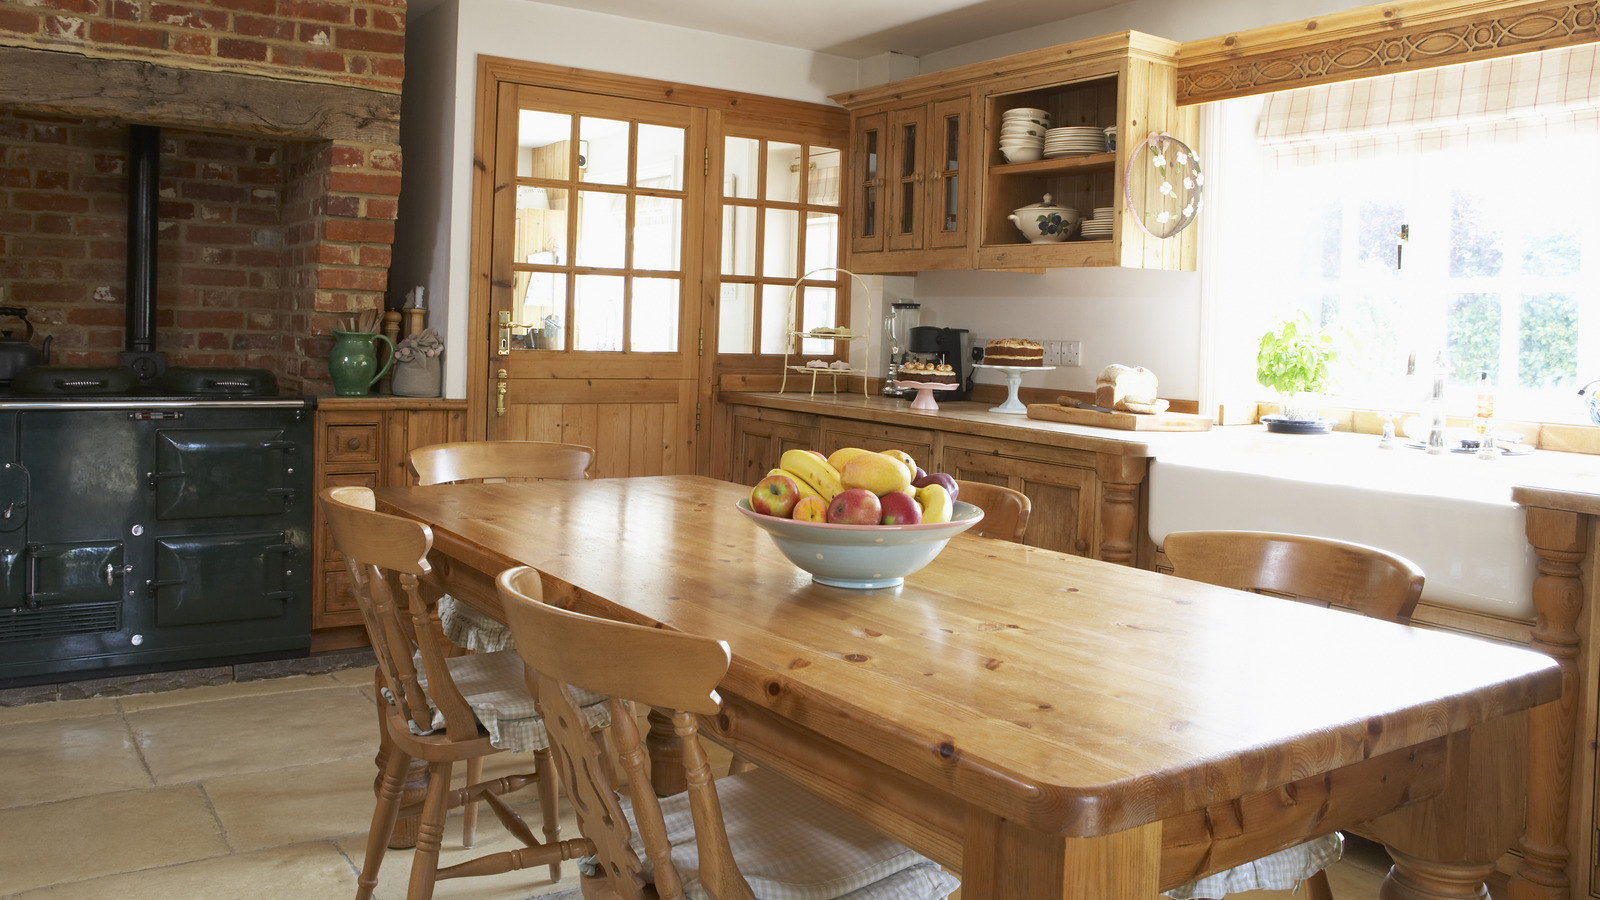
[1131, 388]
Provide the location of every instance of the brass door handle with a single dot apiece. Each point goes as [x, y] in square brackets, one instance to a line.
[504, 317]
[500, 394]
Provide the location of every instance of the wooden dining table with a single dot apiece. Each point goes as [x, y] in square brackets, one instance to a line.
[1045, 725]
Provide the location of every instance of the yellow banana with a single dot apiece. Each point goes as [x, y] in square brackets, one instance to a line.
[936, 505]
[805, 489]
[814, 471]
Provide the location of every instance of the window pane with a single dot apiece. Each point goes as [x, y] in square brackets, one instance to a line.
[822, 241]
[661, 157]
[822, 188]
[599, 312]
[1473, 345]
[655, 315]
[736, 319]
[1547, 351]
[774, 317]
[603, 151]
[781, 243]
[738, 240]
[602, 229]
[783, 172]
[1475, 239]
[544, 144]
[1553, 252]
[544, 306]
[739, 163]
[817, 312]
[541, 226]
[657, 234]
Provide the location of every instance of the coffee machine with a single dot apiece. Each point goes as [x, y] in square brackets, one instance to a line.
[945, 345]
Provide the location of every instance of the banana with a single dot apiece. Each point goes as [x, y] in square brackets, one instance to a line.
[814, 471]
[805, 489]
[936, 505]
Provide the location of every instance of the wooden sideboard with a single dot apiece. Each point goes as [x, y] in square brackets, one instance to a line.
[1087, 492]
[364, 441]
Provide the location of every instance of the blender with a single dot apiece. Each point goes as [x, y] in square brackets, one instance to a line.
[897, 325]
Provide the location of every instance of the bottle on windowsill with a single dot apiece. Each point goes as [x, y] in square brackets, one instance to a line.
[1484, 418]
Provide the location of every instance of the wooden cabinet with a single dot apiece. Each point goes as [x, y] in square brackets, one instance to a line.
[758, 438]
[1061, 484]
[922, 444]
[365, 442]
[911, 147]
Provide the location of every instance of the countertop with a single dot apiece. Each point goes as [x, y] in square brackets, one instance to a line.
[1545, 478]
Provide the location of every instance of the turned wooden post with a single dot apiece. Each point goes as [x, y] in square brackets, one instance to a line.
[1120, 478]
[1560, 538]
[667, 775]
[416, 786]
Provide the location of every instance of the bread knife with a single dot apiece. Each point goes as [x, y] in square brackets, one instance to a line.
[1068, 401]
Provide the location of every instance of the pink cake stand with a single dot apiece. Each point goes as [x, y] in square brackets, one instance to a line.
[924, 399]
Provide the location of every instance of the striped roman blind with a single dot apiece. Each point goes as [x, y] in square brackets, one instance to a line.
[1534, 96]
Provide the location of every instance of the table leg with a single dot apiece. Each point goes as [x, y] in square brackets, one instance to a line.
[1004, 861]
[666, 755]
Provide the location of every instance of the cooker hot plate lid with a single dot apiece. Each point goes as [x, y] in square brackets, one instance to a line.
[64, 381]
[199, 381]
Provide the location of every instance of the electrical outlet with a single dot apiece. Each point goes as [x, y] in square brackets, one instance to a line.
[1052, 353]
[1072, 353]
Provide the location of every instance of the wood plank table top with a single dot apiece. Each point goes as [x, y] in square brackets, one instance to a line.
[1065, 697]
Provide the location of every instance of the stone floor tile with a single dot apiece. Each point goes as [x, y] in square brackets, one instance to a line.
[89, 837]
[311, 871]
[58, 759]
[212, 693]
[294, 805]
[254, 733]
[58, 709]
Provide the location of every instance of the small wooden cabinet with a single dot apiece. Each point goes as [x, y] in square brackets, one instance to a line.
[1060, 482]
[933, 191]
[364, 442]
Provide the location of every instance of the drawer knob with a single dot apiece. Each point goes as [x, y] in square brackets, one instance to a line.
[1082, 545]
[353, 443]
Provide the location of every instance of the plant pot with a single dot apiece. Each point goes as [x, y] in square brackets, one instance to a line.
[1302, 406]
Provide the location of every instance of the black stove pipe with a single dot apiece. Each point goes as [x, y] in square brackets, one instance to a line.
[144, 207]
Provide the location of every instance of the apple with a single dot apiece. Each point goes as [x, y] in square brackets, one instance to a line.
[939, 478]
[900, 509]
[919, 473]
[775, 495]
[855, 506]
[818, 454]
[876, 472]
[811, 509]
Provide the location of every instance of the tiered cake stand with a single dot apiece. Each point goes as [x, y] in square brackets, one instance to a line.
[1013, 381]
[925, 389]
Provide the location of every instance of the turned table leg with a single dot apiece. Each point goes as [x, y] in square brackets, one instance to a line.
[666, 755]
[1560, 538]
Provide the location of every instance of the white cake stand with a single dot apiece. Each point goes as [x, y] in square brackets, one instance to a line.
[925, 389]
[1013, 381]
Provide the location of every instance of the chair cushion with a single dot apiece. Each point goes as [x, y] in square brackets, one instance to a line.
[790, 845]
[1281, 871]
[466, 627]
[493, 686]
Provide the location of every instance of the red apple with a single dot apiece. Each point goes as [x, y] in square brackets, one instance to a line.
[775, 495]
[939, 478]
[811, 509]
[855, 506]
[818, 454]
[900, 509]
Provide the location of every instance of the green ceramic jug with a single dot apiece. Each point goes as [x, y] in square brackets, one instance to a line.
[353, 364]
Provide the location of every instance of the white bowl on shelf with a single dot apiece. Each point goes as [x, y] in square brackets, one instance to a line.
[1022, 154]
[1028, 112]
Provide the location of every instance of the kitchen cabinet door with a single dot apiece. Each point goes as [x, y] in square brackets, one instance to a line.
[839, 433]
[760, 437]
[1065, 497]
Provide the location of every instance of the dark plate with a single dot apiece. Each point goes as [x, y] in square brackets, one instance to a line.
[1279, 425]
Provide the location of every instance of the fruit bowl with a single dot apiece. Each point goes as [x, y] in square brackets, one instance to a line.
[862, 556]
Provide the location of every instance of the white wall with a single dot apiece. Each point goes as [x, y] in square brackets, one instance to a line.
[1136, 318]
[440, 98]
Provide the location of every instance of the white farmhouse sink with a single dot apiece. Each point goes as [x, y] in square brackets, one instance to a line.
[1451, 514]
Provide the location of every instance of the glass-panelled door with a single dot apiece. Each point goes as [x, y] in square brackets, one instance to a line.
[596, 246]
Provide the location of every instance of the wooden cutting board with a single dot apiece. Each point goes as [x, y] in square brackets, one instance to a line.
[1127, 421]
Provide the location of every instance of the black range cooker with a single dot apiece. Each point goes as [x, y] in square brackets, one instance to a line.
[148, 526]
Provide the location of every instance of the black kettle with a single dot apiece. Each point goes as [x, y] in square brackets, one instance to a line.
[17, 353]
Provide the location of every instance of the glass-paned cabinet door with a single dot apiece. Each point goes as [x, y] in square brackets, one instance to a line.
[951, 173]
[598, 226]
[906, 186]
[870, 139]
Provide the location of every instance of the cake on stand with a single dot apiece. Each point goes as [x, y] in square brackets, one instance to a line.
[1013, 381]
[925, 389]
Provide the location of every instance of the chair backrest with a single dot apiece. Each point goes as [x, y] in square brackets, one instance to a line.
[1321, 571]
[1005, 511]
[498, 461]
[383, 553]
[665, 669]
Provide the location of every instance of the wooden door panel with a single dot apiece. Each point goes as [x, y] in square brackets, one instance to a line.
[648, 433]
[1065, 498]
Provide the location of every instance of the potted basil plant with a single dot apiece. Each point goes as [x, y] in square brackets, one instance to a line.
[1294, 360]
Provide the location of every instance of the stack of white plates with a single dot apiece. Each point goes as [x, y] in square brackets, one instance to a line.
[1097, 228]
[1022, 134]
[1074, 140]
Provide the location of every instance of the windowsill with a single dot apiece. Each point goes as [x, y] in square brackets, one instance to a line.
[1565, 437]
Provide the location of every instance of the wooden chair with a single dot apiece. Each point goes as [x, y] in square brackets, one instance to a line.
[498, 461]
[788, 838]
[453, 709]
[1005, 511]
[1320, 571]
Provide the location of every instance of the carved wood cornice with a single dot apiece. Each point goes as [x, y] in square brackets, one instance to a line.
[1377, 40]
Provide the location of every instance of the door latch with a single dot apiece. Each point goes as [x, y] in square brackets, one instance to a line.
[500, 394]
[504, 317]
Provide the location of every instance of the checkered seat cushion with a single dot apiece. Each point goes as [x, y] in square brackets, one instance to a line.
[492, 685]
[1281, 871]
[466, 627]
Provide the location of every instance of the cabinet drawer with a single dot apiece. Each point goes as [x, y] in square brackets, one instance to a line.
[338, 606]
[351, 444]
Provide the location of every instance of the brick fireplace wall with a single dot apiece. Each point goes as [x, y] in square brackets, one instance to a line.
[277, 216]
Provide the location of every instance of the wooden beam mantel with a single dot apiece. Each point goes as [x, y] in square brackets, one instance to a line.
[134, 90]
[1377, 40]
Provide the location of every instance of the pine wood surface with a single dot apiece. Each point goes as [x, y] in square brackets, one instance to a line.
[1062, 695]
